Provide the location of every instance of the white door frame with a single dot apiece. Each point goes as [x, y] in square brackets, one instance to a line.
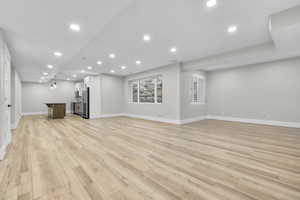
[5, 89]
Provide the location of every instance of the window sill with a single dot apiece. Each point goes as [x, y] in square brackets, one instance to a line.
[145, 103]
[198, 104]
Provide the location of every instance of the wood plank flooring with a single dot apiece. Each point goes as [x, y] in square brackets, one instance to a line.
[128, 159]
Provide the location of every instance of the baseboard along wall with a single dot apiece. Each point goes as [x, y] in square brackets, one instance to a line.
[39, 113]
[191, 120]
[195, 119]
[256, 121]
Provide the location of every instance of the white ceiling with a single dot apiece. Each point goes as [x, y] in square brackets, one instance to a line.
[35, 29]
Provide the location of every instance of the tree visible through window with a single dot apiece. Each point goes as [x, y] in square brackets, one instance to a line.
[159, 89]
[148, 90]
[135, 96]
[198, 89]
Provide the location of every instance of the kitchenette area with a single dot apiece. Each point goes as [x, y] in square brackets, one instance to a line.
[90, 98]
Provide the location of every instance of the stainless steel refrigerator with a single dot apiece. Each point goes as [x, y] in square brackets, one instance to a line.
[86, 103]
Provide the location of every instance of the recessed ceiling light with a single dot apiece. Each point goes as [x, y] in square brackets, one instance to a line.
[50, 66]
[123, 67]
[112, 71]
[58, 54]
[42, 78]
[99, 62]
[68, 79]
[173, 50]
[211, 3]
[74, 27]
[89, 67]
[232, 29]
[138, 62]
[74, 75]
[45, 73]
[147, 38]
[112, 56]
[82, 71]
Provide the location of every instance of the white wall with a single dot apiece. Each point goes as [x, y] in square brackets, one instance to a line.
[16, 99]
[269, 91]
[189, 110]
[170, 108]
[112, 95]
[35, 95]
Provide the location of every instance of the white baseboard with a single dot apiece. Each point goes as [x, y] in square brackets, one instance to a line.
[159, 119]
[111, 115]
[166, 120]
[233, 119]
[137, 116]
[107, 116]
[15, 125]
[186, 121]
[39, 113]
[256, 121]
[2, 152]
[7, 141]
[191, 120]
[34, 113]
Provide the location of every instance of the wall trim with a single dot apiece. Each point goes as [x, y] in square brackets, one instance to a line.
[200, 118]
[166, 120]
[39, 113]
[111, 115]
[256, 121]
[33, 113]
[7, 141]
[191, 120]
[2, 152]
[159, 119]
[107, 116]
[15, 125]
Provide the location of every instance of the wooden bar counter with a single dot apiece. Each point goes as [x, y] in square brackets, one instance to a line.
[56, 110]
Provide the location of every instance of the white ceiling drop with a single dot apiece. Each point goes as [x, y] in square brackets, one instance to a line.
[36, 29]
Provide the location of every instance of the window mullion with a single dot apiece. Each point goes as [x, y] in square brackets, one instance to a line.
[131, 93]
[198, 90]
[155, 90]
[138, 92]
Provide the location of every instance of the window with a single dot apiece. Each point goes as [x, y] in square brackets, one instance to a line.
[159, 89]
[135, 94]
[198, 89]
[147, 90]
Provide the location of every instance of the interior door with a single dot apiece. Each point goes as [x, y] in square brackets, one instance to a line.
[5, 129]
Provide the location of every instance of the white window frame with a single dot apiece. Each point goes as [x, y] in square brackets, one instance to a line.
[131, 91]
[130, 83]
[201, 100]
[155, 94]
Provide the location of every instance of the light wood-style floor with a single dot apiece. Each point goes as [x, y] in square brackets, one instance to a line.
[124, 158]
